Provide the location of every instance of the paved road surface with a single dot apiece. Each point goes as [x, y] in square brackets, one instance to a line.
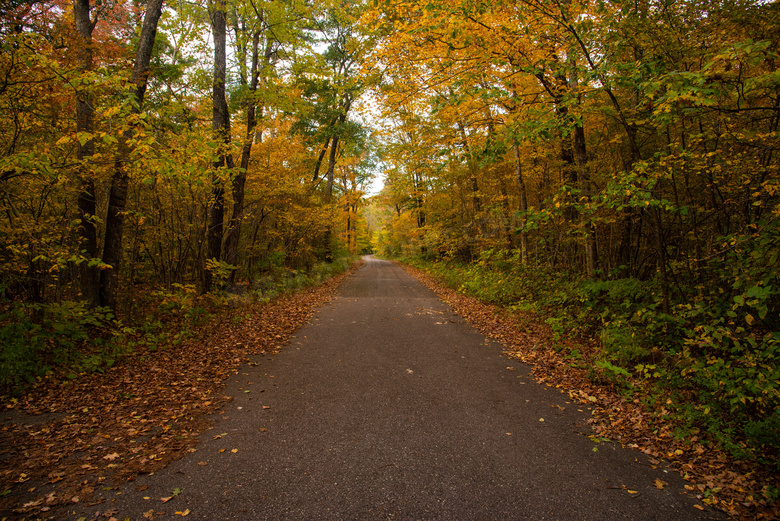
[389, 406]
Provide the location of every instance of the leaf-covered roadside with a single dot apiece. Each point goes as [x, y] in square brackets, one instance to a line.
[737, 488]
[64, 440]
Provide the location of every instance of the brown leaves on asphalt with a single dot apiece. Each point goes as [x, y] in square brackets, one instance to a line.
[65, 439]
[737, 488]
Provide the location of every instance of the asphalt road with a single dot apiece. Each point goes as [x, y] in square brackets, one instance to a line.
[389, 406]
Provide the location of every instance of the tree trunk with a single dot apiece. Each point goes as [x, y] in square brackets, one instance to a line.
[89, 276]
[331, 166]
[239, 181]
[117, 197]
[476, 201]
[318, 165]
[581, 158]
[220, 124]
[661, 260]
[418, 199]
[523, 204]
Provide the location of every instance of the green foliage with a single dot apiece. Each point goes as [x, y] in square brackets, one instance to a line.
[614, 374]
[621, 343]
[282, 281]
[68, 337]
[21, 343]
[220, 272]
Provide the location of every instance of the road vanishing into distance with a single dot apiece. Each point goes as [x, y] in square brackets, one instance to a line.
[389, 406]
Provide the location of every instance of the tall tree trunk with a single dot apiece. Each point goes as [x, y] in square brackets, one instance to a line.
[581, 158]
[338, 124]
[523, 203]
[117, 196]
[331, 166]
[476, 200]
[628, 214]
[318, 164]
[417, 179]
[220, 124]
[661, 260]
[89, 276]
[239, 181]
[329, 194]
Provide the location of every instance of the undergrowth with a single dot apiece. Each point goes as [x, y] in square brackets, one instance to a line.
[67, 339]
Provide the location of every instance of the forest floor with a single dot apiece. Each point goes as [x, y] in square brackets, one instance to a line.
[66, 440]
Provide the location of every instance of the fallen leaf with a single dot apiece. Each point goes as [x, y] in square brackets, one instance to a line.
[263, 429]
[541, 419]
[166, 499]
[633, 491]
[202, 463]
[234, 451]
[149, 514]
[185, 513]
[699, 507]
[158, 395]
[660, 484]
[141, 488]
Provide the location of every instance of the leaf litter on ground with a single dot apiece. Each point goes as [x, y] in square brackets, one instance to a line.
[66, 439]
[69, 438]
[741, 489]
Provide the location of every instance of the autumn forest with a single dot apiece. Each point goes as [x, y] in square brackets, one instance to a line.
[609, 168]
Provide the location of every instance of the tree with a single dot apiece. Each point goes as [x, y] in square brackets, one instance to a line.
[117, 198]
[90, 276]
[220, 124]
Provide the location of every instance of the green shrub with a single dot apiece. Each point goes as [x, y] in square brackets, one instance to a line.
[21, 343]
[68, 336]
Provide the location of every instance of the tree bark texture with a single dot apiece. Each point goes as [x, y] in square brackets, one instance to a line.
[220, 124]
[331, 166]
[239, 181]
[523, 204]
[117, 197]
[89, 276]
[581, 158]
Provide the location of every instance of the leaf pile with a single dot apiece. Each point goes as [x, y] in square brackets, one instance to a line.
[737, 488]
[66, 439]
